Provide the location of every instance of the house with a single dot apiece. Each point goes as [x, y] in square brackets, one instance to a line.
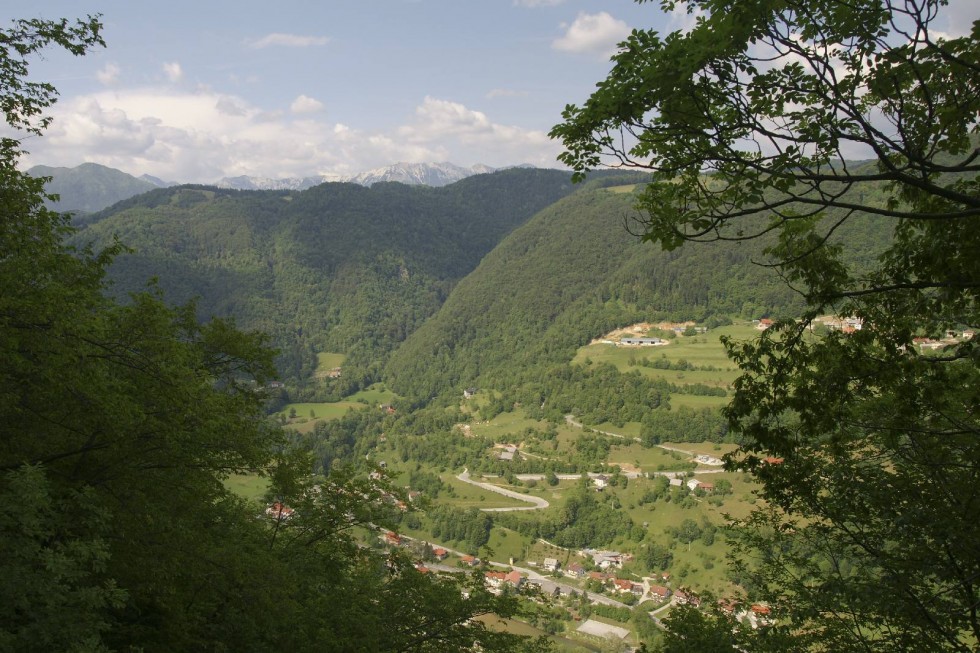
[623, 585]
[772, 460]
[469, 392]
[388, 408]
[709, 460]
[659, 593]
[498, 579]
[551, 564]
[470, 561]
[506, 456]
[607, 559]
[598, 575]
[392, 539]
[707, 487]
[693, 484]
[600, 481]
[575, 570]
[279, 511]
[641, 342]
[439, 553]
[676, 482]
[687, 598]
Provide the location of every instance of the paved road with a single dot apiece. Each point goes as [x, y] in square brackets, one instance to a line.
[570, 419]
[538, 502]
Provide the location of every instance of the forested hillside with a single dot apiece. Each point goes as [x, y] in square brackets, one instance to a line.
[338, 267]
[571, 274]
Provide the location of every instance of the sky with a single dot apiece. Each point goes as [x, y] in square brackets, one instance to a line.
[196, 91]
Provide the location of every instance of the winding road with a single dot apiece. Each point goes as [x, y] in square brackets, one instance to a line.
[539, 503]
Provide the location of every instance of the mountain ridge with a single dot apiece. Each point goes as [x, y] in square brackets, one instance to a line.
[91, 187]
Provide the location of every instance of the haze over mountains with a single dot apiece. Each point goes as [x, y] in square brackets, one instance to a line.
[91, 187]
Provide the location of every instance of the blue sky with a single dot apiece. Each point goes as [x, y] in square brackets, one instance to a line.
[194, 91]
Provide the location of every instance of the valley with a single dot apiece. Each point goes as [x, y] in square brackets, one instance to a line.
[673, 497]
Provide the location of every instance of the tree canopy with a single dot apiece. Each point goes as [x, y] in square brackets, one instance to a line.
[120, 422]
[866, 439]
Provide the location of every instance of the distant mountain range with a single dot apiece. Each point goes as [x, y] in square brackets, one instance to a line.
[91, 187]
[413, 174]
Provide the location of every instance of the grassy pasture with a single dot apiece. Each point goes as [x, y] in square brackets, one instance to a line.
[697, 402]
[328, 360]
[702, 350]
[708, 448]
[506, 426]
[308, 414]
[648, 460]
[374, 394]
[562, 644]
[471, 496]
[248, 486]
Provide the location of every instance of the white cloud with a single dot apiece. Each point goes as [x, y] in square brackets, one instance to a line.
[109, 74]
[201, 136]
[305, 104]
[683, 17]
[596, 34]
[462, 133]
[173, 71]
[289, 40]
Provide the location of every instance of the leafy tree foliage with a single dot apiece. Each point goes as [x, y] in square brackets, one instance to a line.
[873, 443]
[120, 422]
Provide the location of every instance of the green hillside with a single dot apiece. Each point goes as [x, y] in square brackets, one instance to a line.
[569, 275]
[338, 267]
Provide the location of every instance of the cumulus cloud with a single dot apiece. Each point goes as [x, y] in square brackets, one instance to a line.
[596, 34]
[202, 135]
[109, 74]
[289, 40]
[305, 104]
[173, 71]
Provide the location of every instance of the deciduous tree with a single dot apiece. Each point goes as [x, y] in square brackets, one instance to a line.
[867, 445]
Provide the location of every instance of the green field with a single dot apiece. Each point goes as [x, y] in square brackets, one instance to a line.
[373, 395]
[703, 350]
[326, 361]
[649, 459]
[471, 496]
[308, 414]
[248, 486]
[506, 426]
[697, 402]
